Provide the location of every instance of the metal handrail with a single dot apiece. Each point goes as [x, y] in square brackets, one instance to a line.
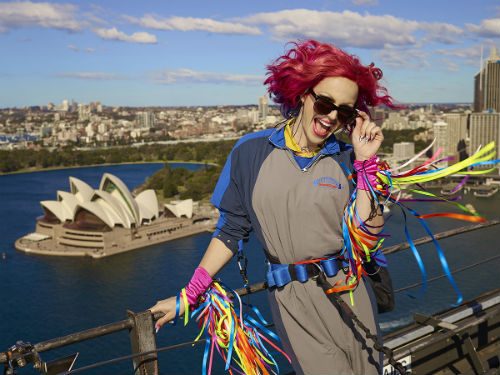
[128, 324]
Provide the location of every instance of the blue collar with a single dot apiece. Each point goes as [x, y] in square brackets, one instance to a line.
[277, 138]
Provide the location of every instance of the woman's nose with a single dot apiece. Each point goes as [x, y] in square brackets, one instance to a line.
[332, 116]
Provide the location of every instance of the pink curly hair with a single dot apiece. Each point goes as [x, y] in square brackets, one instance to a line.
[307, 63]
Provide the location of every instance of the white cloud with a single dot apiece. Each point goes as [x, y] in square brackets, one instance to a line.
[94, 19]
[470, 55]
[193, 24]
[352, 29]
[487, 28]
[97, 15]
[365, 2]
[450, 65]
[77, 49]
[96, 76]
[188, 75]
[403, 58]
[29, 14]
[441, 32]
[464, 53]
[342, 28]
[115, 34]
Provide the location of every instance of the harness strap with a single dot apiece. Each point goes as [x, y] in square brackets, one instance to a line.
[348, 315]
[279, 275]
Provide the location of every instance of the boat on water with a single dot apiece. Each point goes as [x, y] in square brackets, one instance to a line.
[486, 191]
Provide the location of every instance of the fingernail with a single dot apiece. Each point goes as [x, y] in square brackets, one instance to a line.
[157, 328]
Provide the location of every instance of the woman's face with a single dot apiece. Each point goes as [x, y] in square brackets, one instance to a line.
[313, 129]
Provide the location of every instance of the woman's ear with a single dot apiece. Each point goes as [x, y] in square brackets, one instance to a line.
[304, 96]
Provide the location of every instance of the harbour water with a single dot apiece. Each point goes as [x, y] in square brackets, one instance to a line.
[45, 297]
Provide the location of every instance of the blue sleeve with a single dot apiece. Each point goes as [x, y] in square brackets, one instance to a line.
[234, 225]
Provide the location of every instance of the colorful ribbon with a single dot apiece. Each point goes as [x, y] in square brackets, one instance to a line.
[361, 243]
[240, 340]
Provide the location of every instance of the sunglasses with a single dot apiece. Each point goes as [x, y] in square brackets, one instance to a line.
[323, 106]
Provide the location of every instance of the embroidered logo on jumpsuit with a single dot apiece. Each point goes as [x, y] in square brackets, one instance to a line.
[327, 182]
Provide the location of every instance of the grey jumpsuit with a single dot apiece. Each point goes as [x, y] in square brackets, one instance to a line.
[296, 214]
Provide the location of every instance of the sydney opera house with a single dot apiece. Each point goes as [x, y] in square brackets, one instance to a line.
[107, 221]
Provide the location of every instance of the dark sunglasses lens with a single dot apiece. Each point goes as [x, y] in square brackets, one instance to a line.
[323, 107]
[346, 115]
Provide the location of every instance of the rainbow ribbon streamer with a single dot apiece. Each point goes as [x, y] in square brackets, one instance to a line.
[240, 340]
[361, 243]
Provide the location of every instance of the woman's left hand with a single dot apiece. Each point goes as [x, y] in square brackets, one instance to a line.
[366, 137]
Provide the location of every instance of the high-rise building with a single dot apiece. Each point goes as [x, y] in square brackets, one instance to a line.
[484, 128]
[395, 121]
[102, 128]
[253, 116]
[457, 134]
[404, 150]
[487, 85]
[145, 119]
[263, 107]
[440, 135]
[83, 112]
[65, 105]
[45, 130]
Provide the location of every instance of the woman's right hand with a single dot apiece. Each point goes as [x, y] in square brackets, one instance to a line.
[166, 306]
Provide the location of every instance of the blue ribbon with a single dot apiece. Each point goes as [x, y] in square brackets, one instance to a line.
[415, 252]
[441, 256]
[177, 309]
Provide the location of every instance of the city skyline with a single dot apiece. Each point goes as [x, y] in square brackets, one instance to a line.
[192, 53]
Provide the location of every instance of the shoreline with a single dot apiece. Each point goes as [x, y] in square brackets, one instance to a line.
[21, 171]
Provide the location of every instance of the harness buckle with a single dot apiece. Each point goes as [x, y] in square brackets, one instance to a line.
[321, 271]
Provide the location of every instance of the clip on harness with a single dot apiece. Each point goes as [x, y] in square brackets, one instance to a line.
[278, 275]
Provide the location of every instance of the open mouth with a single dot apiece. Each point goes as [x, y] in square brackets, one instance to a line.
[321, 127]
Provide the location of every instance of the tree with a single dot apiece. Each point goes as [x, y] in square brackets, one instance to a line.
[169, 188]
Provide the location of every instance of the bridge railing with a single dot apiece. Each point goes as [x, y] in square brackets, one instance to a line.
[140, 326]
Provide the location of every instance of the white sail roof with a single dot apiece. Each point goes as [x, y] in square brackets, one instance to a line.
[69, 202]
[118, 189]
[148, 205]
[58, 210]
[81, 190]
[181, 208]
[117, 204]
[112, 203]
[98, 211]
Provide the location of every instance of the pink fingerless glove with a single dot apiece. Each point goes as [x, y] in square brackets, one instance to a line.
[199, 283]
[367, 173]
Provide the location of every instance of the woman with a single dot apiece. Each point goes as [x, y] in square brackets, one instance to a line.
[288, 185]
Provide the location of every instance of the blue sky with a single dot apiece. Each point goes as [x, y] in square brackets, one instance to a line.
[190, 52]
